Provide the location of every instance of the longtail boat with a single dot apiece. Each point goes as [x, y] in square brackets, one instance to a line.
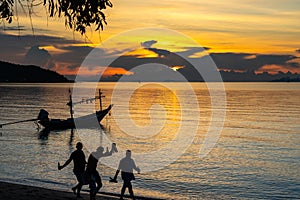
[70, 123]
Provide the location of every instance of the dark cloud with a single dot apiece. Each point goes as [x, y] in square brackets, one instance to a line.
[26, 49]
[190, 51]
[148, 44]
[153, 72]
[245, 62]
[292, 65]
[160, 52]
[187, 53]
[298, 50]
[225, 61]
[71, 56]
[18, 45]
[39, 57]
[166, 58]
[74, 55]
[72, 67]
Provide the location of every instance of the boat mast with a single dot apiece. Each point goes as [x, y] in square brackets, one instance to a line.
[70, 103]
[100, 99]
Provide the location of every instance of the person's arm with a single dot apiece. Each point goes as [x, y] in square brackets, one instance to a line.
[116, 175]
[114, 180]
[136, 168]
[64, 165]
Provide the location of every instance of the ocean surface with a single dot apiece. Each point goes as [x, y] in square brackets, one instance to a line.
[256, 156]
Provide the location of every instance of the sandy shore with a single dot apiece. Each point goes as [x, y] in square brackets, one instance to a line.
[9, 191]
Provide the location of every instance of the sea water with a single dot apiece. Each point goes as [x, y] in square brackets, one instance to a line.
[257, 155]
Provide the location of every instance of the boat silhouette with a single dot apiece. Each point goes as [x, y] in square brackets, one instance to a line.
[70, 123]
[87, 121]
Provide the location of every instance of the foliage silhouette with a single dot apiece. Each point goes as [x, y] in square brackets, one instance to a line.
[78, 14]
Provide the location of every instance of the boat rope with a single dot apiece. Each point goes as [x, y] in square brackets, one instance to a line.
[28, 120]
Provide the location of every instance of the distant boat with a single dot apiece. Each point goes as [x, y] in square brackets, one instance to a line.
[69, 123]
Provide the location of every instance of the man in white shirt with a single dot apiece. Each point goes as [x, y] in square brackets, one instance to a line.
[126, 166]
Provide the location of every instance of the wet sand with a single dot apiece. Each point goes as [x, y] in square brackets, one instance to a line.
[10, 191]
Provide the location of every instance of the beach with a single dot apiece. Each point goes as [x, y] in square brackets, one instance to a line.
[14, 191]
[23, 192]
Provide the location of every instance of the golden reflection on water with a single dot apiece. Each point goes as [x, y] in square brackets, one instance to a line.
[141, 102]
[157, 94]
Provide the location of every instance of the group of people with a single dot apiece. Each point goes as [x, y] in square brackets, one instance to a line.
[86, 172]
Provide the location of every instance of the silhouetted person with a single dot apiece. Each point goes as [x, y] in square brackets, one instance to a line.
[91, 173]
[78, 158]
[126, 166]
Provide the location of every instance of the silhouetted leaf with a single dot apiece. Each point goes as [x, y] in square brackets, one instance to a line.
[79, 14]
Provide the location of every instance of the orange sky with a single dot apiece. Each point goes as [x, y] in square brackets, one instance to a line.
[248, 26]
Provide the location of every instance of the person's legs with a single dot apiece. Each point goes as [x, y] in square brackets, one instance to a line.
[123, 189]
[79, 186]
[98, 181]
[80, 179]
[92, 186]
[74, 189]
[95, 184]
[127, 184]
[92, 191]
[130, 190]
[92, 195]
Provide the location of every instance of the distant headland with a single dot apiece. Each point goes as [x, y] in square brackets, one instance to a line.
[15, 73]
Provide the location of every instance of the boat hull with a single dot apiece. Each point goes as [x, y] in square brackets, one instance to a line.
[81, 122]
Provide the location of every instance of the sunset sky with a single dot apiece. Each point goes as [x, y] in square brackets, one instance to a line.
[233, 31]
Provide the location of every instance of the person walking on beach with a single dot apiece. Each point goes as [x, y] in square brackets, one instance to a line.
[126, 166]
[91, 174]
[78, 158]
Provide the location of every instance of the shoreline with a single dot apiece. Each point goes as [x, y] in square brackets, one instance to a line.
[14, 191]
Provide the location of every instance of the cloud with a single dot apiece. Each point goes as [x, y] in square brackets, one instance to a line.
[69, 54]
[152, 72]
[43, 50]
[166, 59]
[194, 51]
[238, 62]
[148, 44]
[252, 62]
[72, 67]
[18, 45]
[160, 52]
[298, 50]
[74, 55]
[39, 57]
